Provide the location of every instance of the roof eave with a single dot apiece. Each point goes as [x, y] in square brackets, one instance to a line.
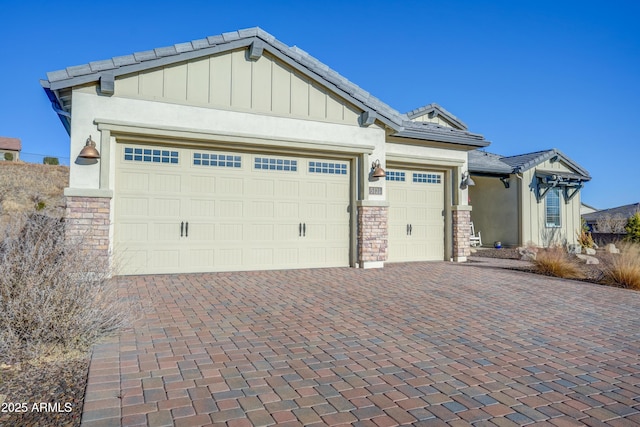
[470, 141]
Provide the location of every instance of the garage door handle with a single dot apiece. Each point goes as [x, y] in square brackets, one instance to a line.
[304, 229]
[186, 230]
[181, 228]
[407, 229]
[410, 229]
[300, 230]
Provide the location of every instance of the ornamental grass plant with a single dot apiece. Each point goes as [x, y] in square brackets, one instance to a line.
[555, 261]
[624, 269]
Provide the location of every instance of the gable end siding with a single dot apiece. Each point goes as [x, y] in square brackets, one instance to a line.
[231, 81]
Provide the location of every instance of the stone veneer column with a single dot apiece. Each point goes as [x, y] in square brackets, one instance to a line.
[87, 222]
[461, 223]
[372, 234]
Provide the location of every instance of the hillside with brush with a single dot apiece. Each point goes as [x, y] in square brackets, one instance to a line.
[29, 187]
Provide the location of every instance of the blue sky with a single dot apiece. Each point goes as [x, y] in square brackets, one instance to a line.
[528, 75]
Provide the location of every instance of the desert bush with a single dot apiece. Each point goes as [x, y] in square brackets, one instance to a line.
[52, 294]
[8, 157]
[555, 261]
[51, 161]
[584, 236]
[624, 268]
[633, 229]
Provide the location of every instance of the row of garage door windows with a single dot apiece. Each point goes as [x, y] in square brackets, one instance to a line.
[148, 155]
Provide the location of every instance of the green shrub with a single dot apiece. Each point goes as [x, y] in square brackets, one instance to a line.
[555, 261]
[633, 229]
[8, 157]
[51, 161]
[53, 295]
[40, 206]
[624, 269]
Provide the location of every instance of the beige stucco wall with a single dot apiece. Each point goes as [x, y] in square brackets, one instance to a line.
[533, 213]
[495, 210]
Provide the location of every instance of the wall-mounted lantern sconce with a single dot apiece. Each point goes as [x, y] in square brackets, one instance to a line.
[466, 181]
[89, 151]
[378, 172]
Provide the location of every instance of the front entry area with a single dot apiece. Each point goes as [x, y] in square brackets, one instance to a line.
[416, 215]
[180, 210]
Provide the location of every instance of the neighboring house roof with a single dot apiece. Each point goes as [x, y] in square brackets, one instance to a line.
[12, 144]
[625, 211]
[435, 110]
[493, 163]
[257, 40]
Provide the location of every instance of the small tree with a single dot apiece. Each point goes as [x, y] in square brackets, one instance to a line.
[51, 161]
[8, 157]
[633, 228]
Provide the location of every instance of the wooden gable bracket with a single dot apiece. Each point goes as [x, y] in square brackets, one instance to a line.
[367, 118]
[570, 191]
[256, 49]
[107, 83]
[542, 188]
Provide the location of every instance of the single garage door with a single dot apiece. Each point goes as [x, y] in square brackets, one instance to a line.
[194, 210]
[416, 215]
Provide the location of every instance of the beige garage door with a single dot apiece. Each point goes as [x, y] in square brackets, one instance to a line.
[193, 210]
[416, 219]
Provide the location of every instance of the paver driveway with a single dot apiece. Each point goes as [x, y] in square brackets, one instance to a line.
[422, 344]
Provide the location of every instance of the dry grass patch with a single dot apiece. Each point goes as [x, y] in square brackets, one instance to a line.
[555, 261]
[25, 187]
[624, 269]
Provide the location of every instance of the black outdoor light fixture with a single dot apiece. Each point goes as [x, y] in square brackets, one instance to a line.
[89, 151]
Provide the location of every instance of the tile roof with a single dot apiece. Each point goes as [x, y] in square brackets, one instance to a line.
[7, 143]
[294, 56]
[438, 110]
[625, 211]
[483, 162]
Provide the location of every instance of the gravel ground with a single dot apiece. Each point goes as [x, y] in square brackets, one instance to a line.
[60, 384]
[592, 273]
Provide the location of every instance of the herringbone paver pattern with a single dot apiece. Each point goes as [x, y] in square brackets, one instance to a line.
[423, 344]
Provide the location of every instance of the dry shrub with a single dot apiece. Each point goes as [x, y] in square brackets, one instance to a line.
[52, 294]
[555, 261]
[624, 268]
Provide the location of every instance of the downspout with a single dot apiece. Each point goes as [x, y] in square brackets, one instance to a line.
[520, 212]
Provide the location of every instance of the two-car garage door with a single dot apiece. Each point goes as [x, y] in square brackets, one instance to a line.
[192, 210]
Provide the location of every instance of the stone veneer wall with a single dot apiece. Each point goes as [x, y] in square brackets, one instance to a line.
[461, 234]
[372, 233]
[87, 222]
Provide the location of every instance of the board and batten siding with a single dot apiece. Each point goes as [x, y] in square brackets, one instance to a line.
[232, 81]
[533, 213]
[436, 120]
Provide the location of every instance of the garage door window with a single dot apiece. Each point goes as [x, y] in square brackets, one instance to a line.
[132, 154]
[395, 176]
[328, 167]
[275, 164]
[427, 178]
[218, 160]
